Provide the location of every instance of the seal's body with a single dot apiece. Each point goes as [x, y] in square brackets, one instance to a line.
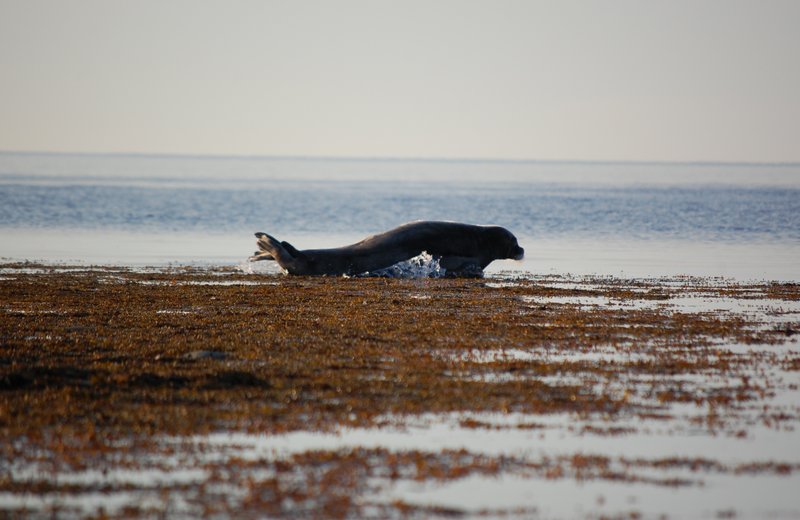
[462, 249]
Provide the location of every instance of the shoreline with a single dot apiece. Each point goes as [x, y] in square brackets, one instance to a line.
[311, 395]
[746, 262]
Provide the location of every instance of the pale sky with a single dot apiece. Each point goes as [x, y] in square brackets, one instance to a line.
[698, 80]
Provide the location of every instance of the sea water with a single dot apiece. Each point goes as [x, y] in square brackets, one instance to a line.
[624, 219]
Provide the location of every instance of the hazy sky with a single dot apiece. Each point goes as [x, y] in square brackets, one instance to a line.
[630, 80]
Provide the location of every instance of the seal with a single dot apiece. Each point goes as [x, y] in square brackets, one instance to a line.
[461, 249]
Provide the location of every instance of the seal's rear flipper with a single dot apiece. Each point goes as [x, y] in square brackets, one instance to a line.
[287, 256]
[262, 253]
[291, 249]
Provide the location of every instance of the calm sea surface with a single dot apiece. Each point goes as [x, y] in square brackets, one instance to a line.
[629, 219]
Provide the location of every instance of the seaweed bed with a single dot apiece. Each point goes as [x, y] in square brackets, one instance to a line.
[209, 392]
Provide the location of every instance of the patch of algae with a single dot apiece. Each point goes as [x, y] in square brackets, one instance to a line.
[91, 359]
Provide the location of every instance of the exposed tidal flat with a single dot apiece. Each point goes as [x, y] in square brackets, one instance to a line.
[208, 391]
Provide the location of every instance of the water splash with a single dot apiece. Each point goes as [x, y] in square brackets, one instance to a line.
[249, 267]
[246, 267]
[421, 266]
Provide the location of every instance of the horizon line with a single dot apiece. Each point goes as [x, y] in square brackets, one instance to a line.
[367, 158]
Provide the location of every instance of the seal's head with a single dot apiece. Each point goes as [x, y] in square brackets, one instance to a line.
[502, 243]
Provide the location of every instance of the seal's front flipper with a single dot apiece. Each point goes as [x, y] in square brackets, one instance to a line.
[465, 271]
[289, 258]
[461, 267]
